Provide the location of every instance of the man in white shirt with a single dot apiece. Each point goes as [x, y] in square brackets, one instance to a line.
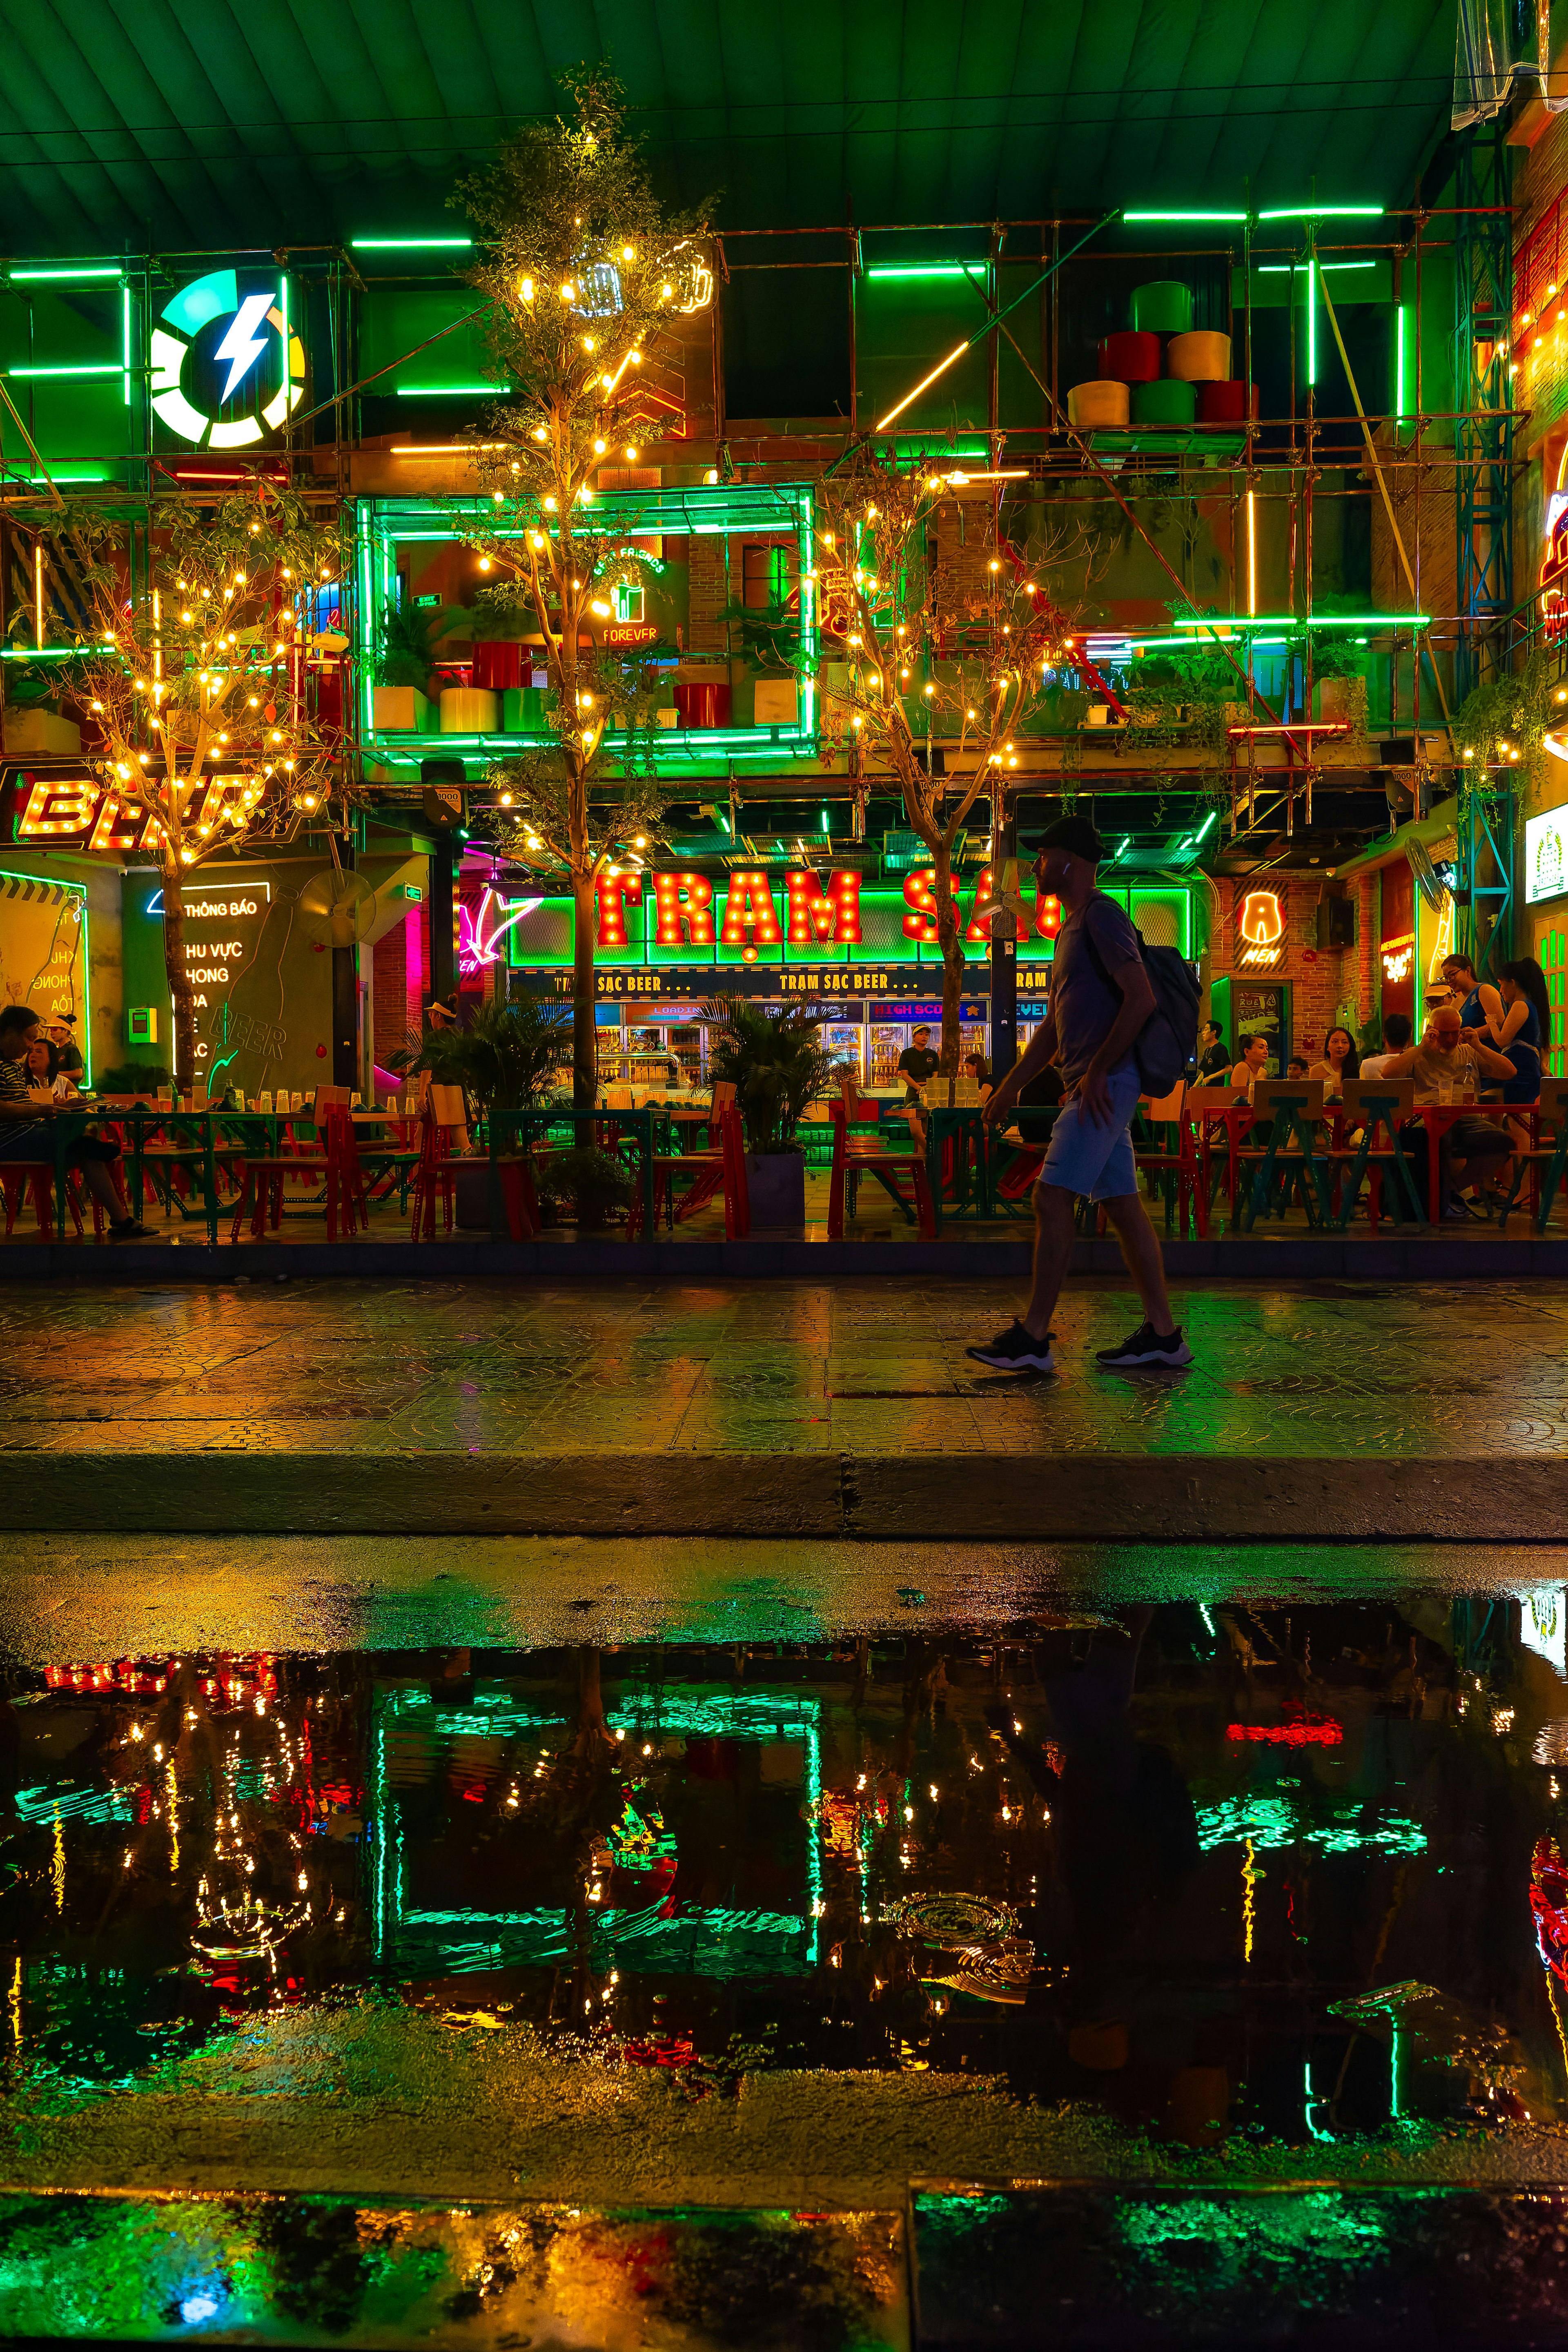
[1396, 1041]
[1452, 1058]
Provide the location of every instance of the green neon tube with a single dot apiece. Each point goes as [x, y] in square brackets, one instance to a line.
[1325, 211]
[927, 269]
[445, 390]
[1312, 322]
[63, 277]
[1144, 219]
[1399, 365]
[125, 341]
[409, 244]
[94, 367]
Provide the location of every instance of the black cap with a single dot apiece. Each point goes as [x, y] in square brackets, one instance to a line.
[1075, 833]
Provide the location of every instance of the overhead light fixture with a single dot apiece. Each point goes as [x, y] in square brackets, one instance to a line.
[410, 244]
[1143, 219]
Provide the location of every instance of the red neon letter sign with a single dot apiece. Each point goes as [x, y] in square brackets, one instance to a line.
[685, 903]
[750, 918]
[611, 891]
[920, 896]
[814, 917]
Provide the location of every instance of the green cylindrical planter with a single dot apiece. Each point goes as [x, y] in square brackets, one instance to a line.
[1165, 307]
[1168, 401]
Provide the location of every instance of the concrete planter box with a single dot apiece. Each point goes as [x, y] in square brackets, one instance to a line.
[775, 1182]
[42, 734]
[469, 710]
[400, 710]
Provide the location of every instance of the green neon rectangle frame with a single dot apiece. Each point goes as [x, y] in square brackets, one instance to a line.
[54, 883]
[725, 1716]
[382, 524]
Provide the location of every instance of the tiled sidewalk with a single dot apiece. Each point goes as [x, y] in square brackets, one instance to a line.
[1338, 1371]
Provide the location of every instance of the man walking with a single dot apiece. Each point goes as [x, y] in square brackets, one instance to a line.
[1102, 999]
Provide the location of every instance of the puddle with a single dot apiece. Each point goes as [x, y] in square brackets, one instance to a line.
[1216, 1885]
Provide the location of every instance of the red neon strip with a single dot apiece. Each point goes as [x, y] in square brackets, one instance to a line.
[1324, 1733]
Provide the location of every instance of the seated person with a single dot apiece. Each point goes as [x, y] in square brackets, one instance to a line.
[1252, 1064]
[1450, 1055]
[974, 1067]
[1395, 1040]
[1295, 1068]
[43, 1068]
[1339, 1061]
[917, 1061]
[62, 1037]
[25, 1126]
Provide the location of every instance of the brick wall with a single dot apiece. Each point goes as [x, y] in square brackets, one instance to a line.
[395, 986]
[1321, 978]
[709, 594]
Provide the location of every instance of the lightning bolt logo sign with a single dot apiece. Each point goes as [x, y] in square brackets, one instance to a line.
[218, 346]
[242, 344]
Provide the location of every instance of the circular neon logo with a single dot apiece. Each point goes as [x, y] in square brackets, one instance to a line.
[227, 366]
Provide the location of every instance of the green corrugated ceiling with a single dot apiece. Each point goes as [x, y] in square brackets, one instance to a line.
[200, 123]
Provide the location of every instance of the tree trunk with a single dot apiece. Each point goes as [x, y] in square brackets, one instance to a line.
[179, 978]
[585, 1011]
[950, 939]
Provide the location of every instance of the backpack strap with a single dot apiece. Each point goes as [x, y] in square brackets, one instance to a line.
[1098, 961]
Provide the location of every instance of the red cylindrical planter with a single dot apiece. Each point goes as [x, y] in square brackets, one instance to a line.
[1129, 357]
[701, 704]
[497, 664]
[1224, 404]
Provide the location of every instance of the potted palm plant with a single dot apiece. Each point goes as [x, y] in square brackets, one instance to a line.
[505, 1060]
[777, 1064]
[405, 654]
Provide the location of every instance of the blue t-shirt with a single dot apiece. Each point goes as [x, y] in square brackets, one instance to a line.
[1082, 1004]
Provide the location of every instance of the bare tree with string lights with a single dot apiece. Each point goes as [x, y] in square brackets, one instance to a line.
[583, 264]
[928, 652]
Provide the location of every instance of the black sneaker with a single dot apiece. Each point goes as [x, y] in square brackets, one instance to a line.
[130, 1229]
[1017, 1350]
[1145, 1346]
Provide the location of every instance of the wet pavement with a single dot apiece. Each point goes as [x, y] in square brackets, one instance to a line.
[731, 1969]
[482, 1864]
[1338, 1370]
[785, 1408]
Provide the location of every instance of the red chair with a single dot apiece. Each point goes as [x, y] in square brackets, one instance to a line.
[1180, 1160]
[867, 1155]
[37, 1178]
[737, 1188]
[261, 1190]
[433, 1177]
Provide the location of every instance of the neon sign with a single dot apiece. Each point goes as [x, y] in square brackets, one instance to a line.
[1262, 923]
[1398, 959]
[685, 910]
[205, 352]
[751, 918]
[481, 939]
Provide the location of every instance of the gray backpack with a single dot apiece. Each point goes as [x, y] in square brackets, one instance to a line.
[1167, 1044]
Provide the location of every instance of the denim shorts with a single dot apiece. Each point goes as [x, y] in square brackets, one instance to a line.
[1096, 1162]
